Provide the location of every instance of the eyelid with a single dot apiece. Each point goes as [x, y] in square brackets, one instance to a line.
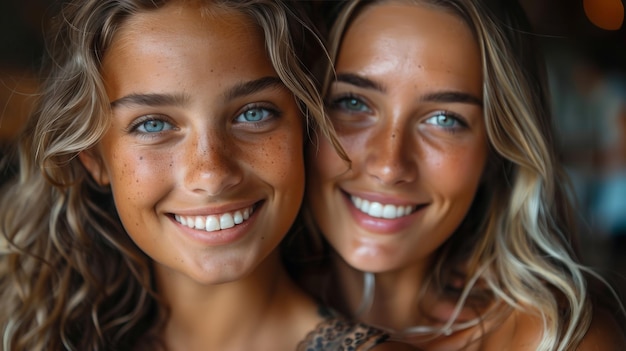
[449, 114]
[335, 99]
[132, 127]
[274, 111]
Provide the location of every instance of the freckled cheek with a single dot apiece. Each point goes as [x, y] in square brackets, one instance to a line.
[139, 174]
[280, 158]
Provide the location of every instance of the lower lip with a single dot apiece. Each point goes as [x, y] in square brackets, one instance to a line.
[219, 237]
[380, 225]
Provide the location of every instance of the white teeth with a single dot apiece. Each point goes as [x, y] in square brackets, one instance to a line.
[375, 210]
[200, 223]
[378, 210]
[226, 221]
[391, 211]
[212, 224]
[365, 206]
[238, 217]
[215, 222]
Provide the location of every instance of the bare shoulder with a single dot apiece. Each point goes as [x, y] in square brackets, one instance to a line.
[394, 346]
[520, 331]
[604, 334]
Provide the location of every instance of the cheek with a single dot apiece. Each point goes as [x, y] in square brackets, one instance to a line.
[459, 171]
[138, 176]
[279, 160]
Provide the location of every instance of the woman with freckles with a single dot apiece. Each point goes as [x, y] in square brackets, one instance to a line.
[161, 167]
[450, 226]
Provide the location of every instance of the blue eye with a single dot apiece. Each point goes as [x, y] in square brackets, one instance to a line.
[351, 104]
[153, 126]
[444, 119]
[255, 114]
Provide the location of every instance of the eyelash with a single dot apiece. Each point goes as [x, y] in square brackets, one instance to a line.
[335, 103]
[134, 127]
[272, 113]
[459, 122]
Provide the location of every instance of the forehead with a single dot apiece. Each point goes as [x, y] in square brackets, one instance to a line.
[180, 45]
[399, 34]
[193, 20]
[390, 29]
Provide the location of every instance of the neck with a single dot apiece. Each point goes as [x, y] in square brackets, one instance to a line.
[395, 296]
[237, 315]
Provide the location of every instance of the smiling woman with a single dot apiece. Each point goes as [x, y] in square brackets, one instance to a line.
[160, 170]
[451, 225]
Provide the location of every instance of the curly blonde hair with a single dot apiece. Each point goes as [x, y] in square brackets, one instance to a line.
[70, 277]
[518, 239]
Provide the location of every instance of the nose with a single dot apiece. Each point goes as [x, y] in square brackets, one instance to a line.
[210, 166]
[391, 156]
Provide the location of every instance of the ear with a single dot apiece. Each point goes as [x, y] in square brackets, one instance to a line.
[94, 165]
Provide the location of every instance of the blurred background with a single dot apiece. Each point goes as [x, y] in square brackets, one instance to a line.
[584, 42]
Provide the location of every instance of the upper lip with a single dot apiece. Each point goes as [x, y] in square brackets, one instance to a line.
[217, 209]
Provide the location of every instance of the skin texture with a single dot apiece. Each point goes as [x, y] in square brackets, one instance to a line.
[408, 111]
[201, 127]
[410, 118]
[207, 159]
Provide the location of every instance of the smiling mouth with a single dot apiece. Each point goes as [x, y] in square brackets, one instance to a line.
[379, 210]
[214, 223]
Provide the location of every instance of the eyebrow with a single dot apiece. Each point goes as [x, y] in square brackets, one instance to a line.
[453, 97]
[253, 86]
[360, 82]
[150, 100]
[443, 96]
[156, 99]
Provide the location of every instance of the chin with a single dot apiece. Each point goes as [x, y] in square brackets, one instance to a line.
[371, 264]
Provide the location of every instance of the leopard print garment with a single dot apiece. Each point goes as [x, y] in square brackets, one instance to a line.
[338, 334]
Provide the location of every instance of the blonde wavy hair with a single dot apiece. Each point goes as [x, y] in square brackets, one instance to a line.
[517, 243]
[70, 277]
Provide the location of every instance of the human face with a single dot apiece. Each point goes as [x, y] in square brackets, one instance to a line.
[203, 136]
[407, 106]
